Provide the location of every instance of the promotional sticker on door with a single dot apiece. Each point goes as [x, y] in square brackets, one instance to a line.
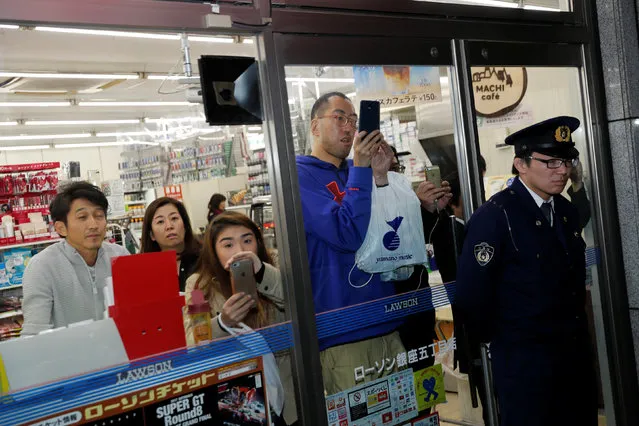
[388, 401]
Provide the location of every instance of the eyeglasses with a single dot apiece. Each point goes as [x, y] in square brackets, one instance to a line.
[342, 120]
[555, 163]
[397, 168]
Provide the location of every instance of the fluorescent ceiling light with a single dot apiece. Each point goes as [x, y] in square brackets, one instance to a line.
[132, 104]
[34, 104]
[44, 137]
[9, 27]
[167, 77]
[212, 39]
[98, 144]
[8, 123]
[255, 128]
[247, 41]
[85, 76]
[320, 80]
[497, 3]
[546, 9]
[133, 34]
[118, 134]
[216, 138]
[164, 120]
[37, 92]
[78, 122]
[351, 95]
[24, 147]
[109, 33]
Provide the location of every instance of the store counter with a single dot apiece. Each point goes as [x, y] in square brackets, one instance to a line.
[62, 352]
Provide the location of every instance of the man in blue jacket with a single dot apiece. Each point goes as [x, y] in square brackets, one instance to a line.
[521, 285]
[336, 203]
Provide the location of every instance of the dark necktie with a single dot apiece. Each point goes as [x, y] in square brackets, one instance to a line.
[546, 209]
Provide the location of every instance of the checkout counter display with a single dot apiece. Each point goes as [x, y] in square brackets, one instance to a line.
[144, 388]
[230, 396]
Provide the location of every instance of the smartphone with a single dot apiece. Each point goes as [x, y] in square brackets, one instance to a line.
[433, 175]
[243, 278]
[368, 116]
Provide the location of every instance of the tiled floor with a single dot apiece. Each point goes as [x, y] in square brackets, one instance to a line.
[452, 410]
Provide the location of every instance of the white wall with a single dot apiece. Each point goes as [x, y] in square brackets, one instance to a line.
[196, 195]
[551, 92]
[104, 159]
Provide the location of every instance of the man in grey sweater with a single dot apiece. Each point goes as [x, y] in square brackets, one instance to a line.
[64, 283]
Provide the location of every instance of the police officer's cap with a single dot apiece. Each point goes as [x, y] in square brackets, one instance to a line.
[550, 137]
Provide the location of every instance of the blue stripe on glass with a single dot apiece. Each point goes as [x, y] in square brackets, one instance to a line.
[47, 400]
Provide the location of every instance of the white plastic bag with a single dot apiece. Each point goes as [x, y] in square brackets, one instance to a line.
[253, 340]
[395, 236]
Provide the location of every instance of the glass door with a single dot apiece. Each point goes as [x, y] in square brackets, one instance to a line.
[510, 87]
[384, 335]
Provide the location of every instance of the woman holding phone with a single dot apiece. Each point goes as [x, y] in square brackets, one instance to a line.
[230, 238]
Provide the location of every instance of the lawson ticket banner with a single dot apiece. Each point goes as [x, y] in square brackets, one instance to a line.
[231, 396]
[390, 400]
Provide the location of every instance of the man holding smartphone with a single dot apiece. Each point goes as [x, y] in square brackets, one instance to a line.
[336, 202]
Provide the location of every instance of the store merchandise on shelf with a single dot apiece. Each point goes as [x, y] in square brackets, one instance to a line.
[25, 193]
[398, 133]
[143, 169]
[10, 317]
[258, 175]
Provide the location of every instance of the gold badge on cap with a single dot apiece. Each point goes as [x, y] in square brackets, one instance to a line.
[562, 134]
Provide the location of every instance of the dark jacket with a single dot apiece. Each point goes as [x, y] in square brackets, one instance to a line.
[521, 286]
[187, 267]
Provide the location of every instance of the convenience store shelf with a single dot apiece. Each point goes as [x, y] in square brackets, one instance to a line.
[131, 203]
[31, 243]
[9, 287]
[10, 314]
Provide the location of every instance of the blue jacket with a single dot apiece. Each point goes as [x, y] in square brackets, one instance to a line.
[336, 203]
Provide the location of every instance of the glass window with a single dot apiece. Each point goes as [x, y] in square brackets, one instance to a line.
[543, 5]
[380, 245]
[138, 121]
[508, 99]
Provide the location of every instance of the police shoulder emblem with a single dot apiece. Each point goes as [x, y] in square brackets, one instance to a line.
[562, 134]
[484, 253]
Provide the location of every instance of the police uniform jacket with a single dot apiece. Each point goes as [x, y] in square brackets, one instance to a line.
[519, 279]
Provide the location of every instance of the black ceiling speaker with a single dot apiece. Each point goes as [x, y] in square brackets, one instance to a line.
[230, 90]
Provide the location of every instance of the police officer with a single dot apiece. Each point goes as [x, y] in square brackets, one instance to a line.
[521, 285]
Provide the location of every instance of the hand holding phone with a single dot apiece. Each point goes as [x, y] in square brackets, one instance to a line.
[433, 175]
[243, 278]
[369, 116]
[366, 145]
[236, 308]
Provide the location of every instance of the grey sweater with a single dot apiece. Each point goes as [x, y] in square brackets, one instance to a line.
[59, 289]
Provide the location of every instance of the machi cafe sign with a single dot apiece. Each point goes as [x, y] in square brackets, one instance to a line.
[498, 90]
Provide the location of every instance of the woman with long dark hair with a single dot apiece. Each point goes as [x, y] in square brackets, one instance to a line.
[217, 205]
[167, 227]
[231, 237]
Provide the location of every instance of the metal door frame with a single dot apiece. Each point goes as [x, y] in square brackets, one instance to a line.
[304, 37]
[402, 22]
[617, 364]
